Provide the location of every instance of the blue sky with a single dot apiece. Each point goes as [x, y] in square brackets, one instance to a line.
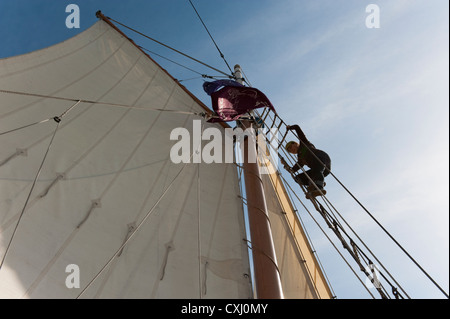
[375, 99]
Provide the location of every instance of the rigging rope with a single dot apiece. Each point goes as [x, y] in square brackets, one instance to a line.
[175, 50]
[199, 244]
[393, 239]
[179, 64]
[90, 102]
[217, 47]
[25, 126]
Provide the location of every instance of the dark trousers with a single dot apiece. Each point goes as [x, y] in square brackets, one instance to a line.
[317, 171]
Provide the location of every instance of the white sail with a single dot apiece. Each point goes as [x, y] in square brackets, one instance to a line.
[108, 168]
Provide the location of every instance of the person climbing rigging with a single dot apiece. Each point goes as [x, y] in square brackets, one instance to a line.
[306, 154]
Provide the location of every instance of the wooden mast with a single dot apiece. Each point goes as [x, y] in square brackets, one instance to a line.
[266, 273]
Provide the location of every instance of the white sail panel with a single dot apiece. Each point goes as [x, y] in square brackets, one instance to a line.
[107, 169]
[301, 276]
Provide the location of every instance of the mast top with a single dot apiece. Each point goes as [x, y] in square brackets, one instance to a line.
[238, 74]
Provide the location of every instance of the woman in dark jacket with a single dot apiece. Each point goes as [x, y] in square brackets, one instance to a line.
[308, 155]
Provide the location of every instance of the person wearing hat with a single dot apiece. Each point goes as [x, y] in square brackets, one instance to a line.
[317, 160]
